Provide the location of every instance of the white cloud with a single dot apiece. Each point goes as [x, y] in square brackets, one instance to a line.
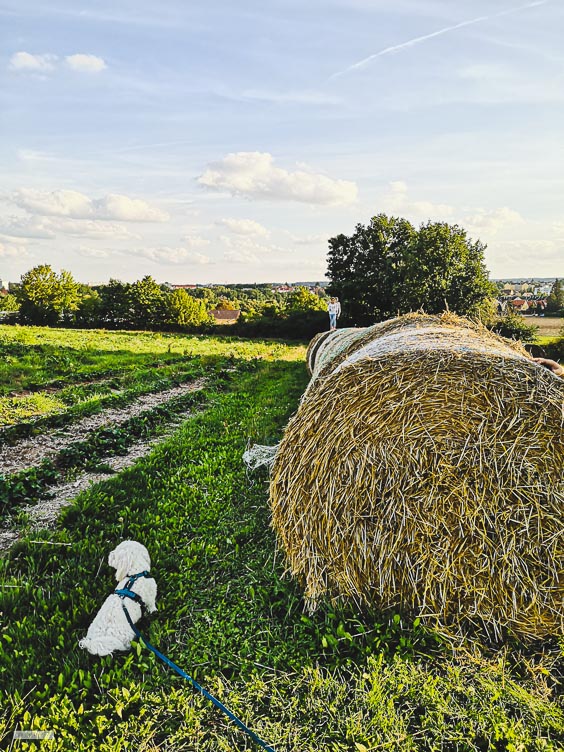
[244, 227]
[240, 256]
[253, 175]
[248, 243]
[11, 250]
[26, 61]
[493, 220]
[313, 239]
[168, 255]
[534, 257]
[66, 203]
[81, 228]
[85, 63]
[194, 241]
[246, 250]
[293, 97]
[49, 227]
[47, 62]
[26, 227]
[115, 206]
[59, 203]
[524, 249]
[87, 252]
[31, 155]
[397, 200]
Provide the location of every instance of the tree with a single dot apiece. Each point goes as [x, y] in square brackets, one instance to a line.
[389, 267]
[185, 310]
[89, 312]
[514, 326]
[445, 269]
[224, 304]
[115, 306]
[301, 299]
[148, 305]
[367, 269]
[555, 300]
[45, 296]
[8, 303]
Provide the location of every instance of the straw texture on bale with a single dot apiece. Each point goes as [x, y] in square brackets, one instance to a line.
[423, 471]
[313, 347]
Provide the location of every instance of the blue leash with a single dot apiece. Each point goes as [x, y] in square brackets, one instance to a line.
[126, 592]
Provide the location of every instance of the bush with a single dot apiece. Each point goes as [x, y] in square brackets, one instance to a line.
[301, 325]
[513, 326]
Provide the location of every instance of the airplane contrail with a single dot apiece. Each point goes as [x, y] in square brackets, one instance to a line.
[439, 32]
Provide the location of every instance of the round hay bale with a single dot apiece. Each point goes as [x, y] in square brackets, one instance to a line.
[330, 347]
[423, 471]
[313, 348]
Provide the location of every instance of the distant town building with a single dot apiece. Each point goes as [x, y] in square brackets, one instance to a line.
[284, 288]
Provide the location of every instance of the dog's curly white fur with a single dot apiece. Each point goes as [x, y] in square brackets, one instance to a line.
[110, 631]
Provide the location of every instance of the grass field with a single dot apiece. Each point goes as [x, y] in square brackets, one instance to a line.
[337, 680]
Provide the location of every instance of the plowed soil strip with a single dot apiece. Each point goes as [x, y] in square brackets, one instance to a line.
[30, 452]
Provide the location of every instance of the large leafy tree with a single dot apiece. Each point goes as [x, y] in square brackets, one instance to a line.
[89, 312]
[367, 269]
[115, 306]
[9, 303]
[148, 303]
[185, 310]
[445, 269]
[388, 267]
[45, 296]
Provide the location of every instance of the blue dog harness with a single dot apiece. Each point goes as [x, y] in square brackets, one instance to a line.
[127, 592]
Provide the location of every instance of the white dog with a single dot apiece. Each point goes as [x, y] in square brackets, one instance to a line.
[110, 631]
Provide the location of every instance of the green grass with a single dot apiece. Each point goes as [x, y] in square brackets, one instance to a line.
[15, 409]
[335, 681]
[34, 356]
[74, 403]
[74, 373]
[545, 340]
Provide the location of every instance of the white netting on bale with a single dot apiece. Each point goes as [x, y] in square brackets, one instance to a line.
[260, 455]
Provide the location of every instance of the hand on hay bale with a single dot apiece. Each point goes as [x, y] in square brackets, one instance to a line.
[552, 365]
[436, 486]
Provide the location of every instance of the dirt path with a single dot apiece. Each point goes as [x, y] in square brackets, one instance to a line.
[43, 515]
[30, 452]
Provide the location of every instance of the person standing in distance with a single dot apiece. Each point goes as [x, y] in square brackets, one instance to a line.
[334, 309]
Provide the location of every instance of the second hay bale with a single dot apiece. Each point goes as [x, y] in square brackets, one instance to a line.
[423, 470]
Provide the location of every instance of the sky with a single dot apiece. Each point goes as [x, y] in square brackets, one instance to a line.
[222, 142]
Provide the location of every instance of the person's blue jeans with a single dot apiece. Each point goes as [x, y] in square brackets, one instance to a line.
[332, 320]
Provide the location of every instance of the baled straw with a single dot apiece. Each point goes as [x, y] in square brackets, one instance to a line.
[423, 471]
[313, 347]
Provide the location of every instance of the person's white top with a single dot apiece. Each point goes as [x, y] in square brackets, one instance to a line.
[334, 308]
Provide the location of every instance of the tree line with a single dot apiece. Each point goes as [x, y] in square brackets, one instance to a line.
[43, 297]
[385, 268]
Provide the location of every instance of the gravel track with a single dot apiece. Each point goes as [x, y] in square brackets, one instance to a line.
[30, 452]
[43, 515]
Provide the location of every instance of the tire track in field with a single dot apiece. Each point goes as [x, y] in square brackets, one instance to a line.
[28, 453]
[42, 515]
